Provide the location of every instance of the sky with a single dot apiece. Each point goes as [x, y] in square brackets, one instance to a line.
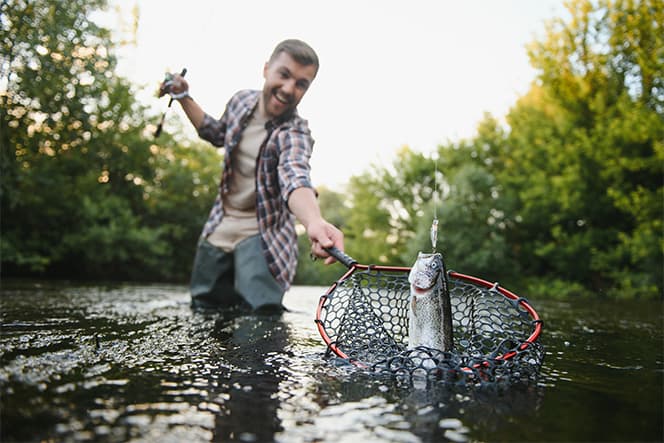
[419, 73]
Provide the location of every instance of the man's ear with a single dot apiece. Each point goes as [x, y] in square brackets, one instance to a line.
[265, 68]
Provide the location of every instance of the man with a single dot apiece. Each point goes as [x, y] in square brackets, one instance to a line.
[248, 248]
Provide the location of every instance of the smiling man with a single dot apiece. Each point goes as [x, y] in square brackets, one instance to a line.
[247, 253]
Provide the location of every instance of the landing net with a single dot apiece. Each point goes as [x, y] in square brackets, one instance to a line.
[363, 319]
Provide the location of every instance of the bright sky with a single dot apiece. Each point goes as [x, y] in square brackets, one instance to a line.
[393, 73]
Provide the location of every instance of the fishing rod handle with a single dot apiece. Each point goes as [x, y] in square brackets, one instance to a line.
[341, 256]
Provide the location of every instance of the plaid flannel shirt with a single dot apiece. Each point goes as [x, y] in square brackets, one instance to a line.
[282, 166]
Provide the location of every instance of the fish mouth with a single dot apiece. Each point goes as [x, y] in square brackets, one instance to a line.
[421, 290]
[424, 281]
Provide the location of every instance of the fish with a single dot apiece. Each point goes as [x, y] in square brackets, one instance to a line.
[429, 305]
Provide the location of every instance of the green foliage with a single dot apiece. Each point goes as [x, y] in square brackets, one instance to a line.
[49, 55]
[110, 234]
[84, 189]
[368, 226]
[386, 206]
[586, 144]
[552, 287]
[179, 198]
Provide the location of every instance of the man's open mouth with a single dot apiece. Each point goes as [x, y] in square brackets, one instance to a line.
[283, 99]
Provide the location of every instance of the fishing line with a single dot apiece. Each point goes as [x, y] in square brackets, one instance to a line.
[434, 223]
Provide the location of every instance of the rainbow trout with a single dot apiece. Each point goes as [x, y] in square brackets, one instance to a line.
[429, 306]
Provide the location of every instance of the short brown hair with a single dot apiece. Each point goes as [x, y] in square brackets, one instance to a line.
[299, 50]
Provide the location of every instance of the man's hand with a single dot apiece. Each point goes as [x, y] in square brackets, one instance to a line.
[177, 87]
[174, 85]
[324, 235]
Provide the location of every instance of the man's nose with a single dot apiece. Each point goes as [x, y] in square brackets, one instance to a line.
[289, 86]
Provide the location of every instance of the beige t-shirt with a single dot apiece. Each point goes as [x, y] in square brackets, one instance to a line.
[239, 221]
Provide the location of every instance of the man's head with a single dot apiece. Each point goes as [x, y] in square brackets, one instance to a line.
[298, 50]
[288, 74]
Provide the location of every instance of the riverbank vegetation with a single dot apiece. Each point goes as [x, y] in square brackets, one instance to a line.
[563, 198]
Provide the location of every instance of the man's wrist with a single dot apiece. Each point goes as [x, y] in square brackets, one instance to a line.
[181, 96]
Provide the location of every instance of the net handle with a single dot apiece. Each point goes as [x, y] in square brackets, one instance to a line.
[341, 257]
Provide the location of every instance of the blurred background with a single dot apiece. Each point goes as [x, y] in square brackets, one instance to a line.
[532, 130]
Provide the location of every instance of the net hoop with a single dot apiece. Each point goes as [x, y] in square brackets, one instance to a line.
[521, 346]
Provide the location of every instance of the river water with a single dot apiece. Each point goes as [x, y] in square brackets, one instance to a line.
[128, 362]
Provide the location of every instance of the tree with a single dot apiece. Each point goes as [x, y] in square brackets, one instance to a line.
[585, 150]
[85, 190]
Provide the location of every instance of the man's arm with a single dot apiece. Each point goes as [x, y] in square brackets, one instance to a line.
[194, 112]
[322, 234]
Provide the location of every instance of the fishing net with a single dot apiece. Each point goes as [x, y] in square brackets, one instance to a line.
[363, 319]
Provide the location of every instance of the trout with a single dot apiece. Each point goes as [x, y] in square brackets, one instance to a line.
[429, 306]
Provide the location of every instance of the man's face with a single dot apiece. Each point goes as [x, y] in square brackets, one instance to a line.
[286, 81]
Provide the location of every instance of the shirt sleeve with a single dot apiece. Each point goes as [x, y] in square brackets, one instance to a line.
[214, 130]
[295, 154]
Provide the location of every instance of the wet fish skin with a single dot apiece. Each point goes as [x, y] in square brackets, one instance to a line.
[429, 306]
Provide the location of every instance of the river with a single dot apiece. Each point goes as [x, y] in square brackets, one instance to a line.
[129, 362]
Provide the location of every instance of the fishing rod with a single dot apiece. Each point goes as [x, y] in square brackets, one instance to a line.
[168, 81]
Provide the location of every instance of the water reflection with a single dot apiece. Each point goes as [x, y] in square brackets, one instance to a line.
[366, 406]
[252, 347]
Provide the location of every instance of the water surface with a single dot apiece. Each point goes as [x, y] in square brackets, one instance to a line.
[134, 363]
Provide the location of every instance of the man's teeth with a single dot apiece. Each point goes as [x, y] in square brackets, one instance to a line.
[281, 98]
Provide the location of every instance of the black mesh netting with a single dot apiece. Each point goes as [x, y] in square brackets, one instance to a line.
[364, 319]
